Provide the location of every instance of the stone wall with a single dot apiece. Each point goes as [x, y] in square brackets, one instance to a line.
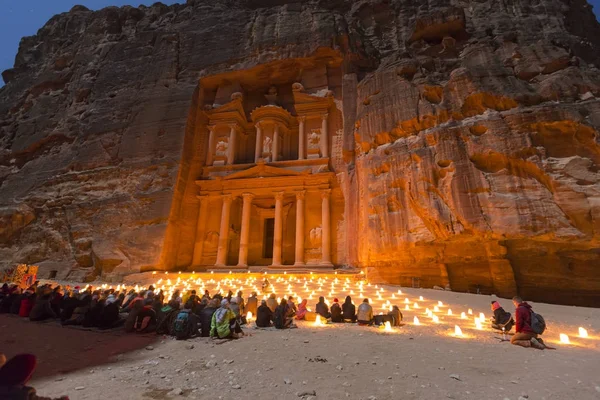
[470, 140]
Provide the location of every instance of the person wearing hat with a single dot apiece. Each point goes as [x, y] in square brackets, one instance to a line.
[501, 318]
[336, 311]
[14, 375]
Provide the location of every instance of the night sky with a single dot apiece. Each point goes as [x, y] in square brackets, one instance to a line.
[20, 18]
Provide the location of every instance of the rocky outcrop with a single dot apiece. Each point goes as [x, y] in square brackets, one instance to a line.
[470, 140]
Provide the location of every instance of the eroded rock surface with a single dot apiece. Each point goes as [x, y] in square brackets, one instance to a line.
[470, 141]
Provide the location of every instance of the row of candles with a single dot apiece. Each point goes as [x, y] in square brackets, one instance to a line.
[308, 286]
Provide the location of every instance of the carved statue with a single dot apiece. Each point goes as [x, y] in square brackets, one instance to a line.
[271, 96]
[221, 150]
[314, 139]
[315, 236]
[297, 87]
[267, 145]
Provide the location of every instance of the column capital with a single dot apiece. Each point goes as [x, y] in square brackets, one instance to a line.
[228, 198]
[301, 118]
[300, 194]
[234, 126]
[212, 128]
[324, 116]
[279, 195]
[325, 193]
[248, 196]
[203, 197]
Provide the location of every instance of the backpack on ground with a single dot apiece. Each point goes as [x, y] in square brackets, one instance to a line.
[538, 324]
[182, 326]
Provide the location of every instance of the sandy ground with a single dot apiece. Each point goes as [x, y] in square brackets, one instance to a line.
[339, 361]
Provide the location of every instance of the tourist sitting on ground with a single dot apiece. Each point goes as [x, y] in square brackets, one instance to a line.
[27, 302]
[164, 319]
[78, 315]
[264, 315]
[186, 323]
[292, 304]
[501, 320]
[229, 296]
[14, 375]
[6, 304]
[69, 303]
[224, 324]
[348, 310]
[396, 315]
[92, 317]
[283, 316]
[206, 295]
[128, 299]
[42, 309]
[322, 309]
[524, 336]
[187, 296]
[56, 299]
[146, 318]
[336, 311]
[365, 313]
[302, 310]
[15, 306]
[206, 317]
[241, 303]
[272, 302]
[176, 297]
[235, 307]
[109, 316]
[252, 304]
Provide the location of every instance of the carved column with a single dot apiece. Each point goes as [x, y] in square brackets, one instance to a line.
[324, 136]
[275, 150]
[224, 232]
[299, 259]
[211, 145]
[278, 234]
[245, 232]
[258, 148]
[326, 232]
[301, 138]
[200, 230]
[232, 143]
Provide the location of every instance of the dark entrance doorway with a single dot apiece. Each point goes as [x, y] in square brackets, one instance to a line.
[268, 238]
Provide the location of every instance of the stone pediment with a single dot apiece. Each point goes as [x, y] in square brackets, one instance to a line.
[262, 170]
[309, 105]
[229, 112]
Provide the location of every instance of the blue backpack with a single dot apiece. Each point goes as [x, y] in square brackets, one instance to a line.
[182, 325]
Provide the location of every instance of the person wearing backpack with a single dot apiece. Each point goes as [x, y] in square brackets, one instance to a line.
[526, 335]
[185, 324]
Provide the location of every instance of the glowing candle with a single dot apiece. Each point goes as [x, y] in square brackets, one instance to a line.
[249, 316]
[482, 316]
[399, 291]
[478, 325]
[564, 339]
[457, 331]
[440, 304]
[407, 308]
[470, 312]
[583, 333]
[318, 320]
[436, 309]
[463, 315]
[416, 321]
[406, 300]
[449, 311]
[388, 326]
[421, 298]
[436, 319]
[416, 305]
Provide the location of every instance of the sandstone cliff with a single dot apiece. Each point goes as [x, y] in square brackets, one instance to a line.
[470, 140]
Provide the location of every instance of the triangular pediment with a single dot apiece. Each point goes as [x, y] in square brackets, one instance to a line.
[262, 170]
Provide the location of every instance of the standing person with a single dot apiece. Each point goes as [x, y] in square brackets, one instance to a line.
[349, 310]
[524, 336]
[322, 309]
[272, 302]
[241, 304]
[264, 315]
[365, 313]
[252, 304]
[336, 311]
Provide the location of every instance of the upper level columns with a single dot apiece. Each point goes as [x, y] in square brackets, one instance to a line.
[324, 136]
[232, 142]
[326, 231]
[200, 230]
[278, 229]
[211, 145]
[276, 143]
[224, 231]
[259, 142]
[301, 138]
[245, 231]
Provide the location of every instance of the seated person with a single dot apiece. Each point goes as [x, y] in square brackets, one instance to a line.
[302, 309]
[336, 311]
[396, 315]
[283, 316]
[322, 309]
[109, 316]
[78, 315]
[237, 310]
[186, 324]
[42, 308]
[206, 317]
[365, 313]
[14, 375]
[264, 315]
[272, 302]
[501, 318]
[224, 324]
[349, 310]
[146, 318]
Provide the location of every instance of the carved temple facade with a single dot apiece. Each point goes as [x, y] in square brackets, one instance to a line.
[266, 192]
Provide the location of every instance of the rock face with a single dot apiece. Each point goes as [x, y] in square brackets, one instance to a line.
[470, 136]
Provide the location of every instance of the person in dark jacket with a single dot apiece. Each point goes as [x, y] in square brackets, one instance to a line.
[68, 304]
[206, 317]
[78, 315]
[283, 316]
[109, 316]
[56, 299]
[16, 303]
[8, 300]
[348, 310]
[396, 315]
[336, 311]
[42, 308]
[322, 309]
[524, 336]
[272, 302]
[501, 318]
[264, 315]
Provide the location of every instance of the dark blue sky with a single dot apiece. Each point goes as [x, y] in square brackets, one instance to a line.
[20, 18]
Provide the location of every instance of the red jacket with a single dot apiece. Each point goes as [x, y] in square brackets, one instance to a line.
[523, 318]
[25, 308]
